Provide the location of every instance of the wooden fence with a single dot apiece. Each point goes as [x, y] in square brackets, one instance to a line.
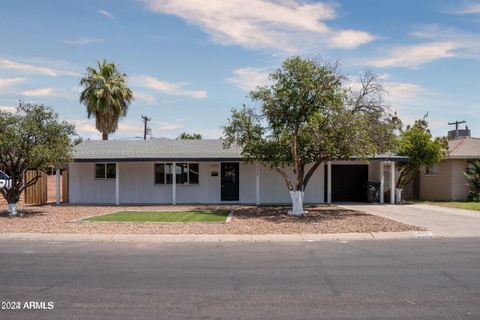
[44, 190]
[36, 194]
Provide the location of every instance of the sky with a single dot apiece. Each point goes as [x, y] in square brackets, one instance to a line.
[189, 62]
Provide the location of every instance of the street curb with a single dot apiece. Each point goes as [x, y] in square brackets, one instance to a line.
[182, 238]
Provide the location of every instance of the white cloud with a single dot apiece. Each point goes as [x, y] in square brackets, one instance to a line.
[34, 68]
[350, 39]
[415, 55]
[106, 13]
[84, 41]
[145, 97]
[472, 8]
[168, 125]
[6, 84]
[249, 78]
[8, 109]
[440, 43]
[86, 129]
[169, 88]
[288, 26]
[47, 92]
[399, 93]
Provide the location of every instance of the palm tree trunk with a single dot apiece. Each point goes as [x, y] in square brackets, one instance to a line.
[104, 136]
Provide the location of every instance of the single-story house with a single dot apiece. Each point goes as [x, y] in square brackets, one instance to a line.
[446, 180]
[166, 171]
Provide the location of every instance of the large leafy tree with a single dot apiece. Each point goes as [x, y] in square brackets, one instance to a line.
[106, 96]
[32, 138]
[308, 115]
[417, 143]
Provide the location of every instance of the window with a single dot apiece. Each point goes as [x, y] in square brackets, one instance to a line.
[105, 170]
[431, 170]
[185, 173]
[160, 173]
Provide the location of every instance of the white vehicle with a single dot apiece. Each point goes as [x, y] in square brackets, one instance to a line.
[5, 181]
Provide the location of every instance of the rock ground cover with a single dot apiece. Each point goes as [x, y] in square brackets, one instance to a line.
[246, 220]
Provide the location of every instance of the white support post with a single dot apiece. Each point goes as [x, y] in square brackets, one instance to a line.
[382, 184]
[329, 182]
[392, 182]
[257, 184]
[117, 183]
[174, 183]
[57, 187]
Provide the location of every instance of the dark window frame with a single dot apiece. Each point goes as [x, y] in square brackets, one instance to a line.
[106, 171]
[182, 176]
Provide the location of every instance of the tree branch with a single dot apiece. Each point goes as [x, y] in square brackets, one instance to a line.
[310, 172]
[285, 177]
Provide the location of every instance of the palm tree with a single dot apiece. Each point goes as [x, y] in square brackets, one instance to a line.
[106, 96]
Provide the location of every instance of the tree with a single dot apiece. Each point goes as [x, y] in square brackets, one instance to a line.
[106, 96]
[77, 141]
[32, 138]
[416, 142]
[307, 116]
[189, 136]
[473, 176]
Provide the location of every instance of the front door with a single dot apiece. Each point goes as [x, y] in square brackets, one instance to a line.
[229, 180]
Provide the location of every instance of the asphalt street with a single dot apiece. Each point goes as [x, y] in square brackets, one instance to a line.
[390, 279]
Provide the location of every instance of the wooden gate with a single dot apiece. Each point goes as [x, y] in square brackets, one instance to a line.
[37, 193]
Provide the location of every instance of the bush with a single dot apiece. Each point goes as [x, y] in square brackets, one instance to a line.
[473, 176]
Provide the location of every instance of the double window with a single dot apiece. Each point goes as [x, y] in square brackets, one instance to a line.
[431, 170]
[105, 170]
[185, 173]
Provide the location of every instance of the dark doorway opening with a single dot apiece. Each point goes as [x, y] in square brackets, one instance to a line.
[348, 183]
[230, 181]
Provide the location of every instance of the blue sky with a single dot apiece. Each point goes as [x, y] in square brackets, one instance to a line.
[190, 61]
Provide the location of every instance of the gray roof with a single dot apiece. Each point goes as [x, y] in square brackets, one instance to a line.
[464, 148]
[163, 149]
[153, 150]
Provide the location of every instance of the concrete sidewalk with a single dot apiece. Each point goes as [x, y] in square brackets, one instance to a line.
[160, 238]
[441, 221]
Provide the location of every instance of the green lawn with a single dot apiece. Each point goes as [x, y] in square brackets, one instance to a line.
[457, 204]
[163, 216]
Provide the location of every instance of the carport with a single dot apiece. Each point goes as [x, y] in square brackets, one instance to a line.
[345, 180]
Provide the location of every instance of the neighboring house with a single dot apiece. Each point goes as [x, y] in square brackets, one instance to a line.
[446, 180]
[141, 172]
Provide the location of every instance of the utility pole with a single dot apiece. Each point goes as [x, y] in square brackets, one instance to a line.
[456, 123]
[145, 126]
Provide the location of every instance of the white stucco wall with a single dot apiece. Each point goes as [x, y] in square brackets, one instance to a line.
[84, 188]
[137, 184]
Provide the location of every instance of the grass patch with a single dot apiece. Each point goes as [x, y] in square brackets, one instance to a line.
[163, 216]
[456, 204]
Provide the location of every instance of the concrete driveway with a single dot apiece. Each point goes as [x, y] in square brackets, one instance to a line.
[441, 221]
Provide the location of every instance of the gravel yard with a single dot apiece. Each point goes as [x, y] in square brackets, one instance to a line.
[246, 220]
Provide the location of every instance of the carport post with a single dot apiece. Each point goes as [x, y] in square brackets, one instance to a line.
[57, 187]
[257, 184]
[329, 182]
[392, 182]
[117, 183]
[174, 183]
[382, 183]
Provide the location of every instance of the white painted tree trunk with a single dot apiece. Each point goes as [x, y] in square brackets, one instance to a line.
[398, 195]
[297, 203]
[12, 209]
